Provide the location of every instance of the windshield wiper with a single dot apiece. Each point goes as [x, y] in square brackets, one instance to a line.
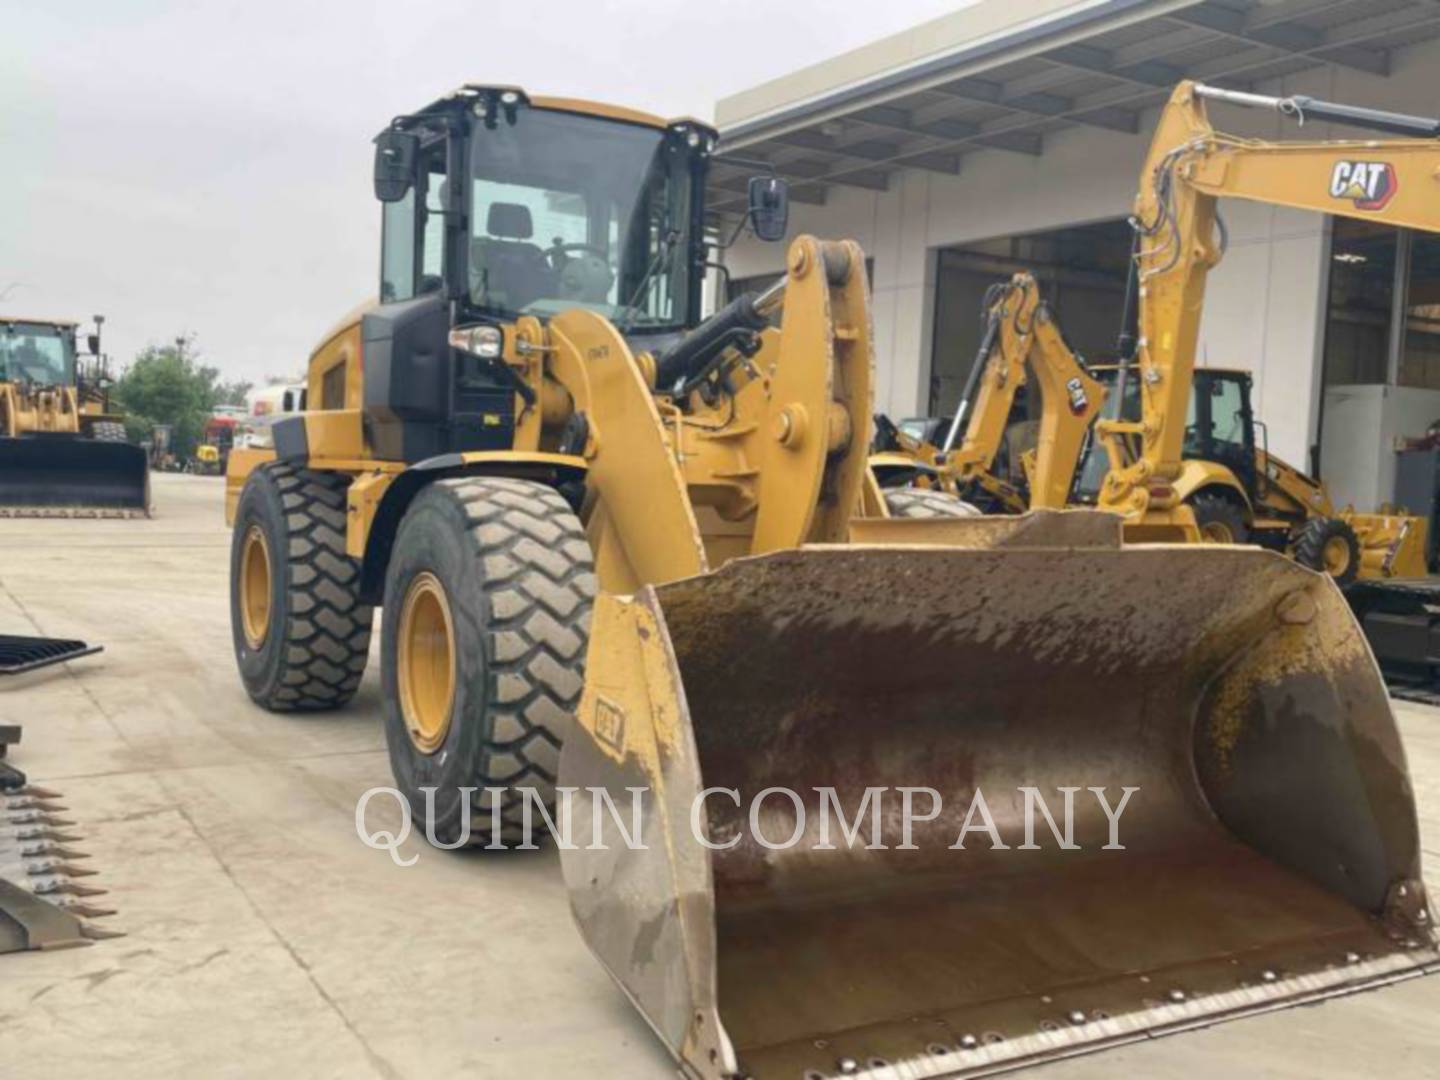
[642, 291]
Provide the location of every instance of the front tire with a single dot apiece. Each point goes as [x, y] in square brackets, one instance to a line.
[1330, 546]
[300, 632]
[487, 599]
[1220, 520]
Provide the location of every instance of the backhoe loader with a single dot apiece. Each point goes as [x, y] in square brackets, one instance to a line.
[1242, 493]
[1021, 332]
[62, 452]
[597, 520]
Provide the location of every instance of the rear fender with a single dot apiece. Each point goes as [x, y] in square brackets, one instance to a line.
[1197, 476]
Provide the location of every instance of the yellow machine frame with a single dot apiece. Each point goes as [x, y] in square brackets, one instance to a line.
[795, 424]
[1022, 336]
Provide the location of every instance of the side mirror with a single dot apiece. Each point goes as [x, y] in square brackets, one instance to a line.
[395, 156]
[769, 207]
[93, 340]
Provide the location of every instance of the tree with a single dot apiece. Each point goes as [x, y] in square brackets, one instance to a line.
[168, 385]
[232, 393]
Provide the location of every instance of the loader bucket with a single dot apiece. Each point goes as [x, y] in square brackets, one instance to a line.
[68, 475]
[1268, 854]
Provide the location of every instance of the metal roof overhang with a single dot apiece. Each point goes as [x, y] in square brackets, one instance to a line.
[1098, 66]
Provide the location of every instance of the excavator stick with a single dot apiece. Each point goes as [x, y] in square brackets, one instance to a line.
[1267, 854]
[66, 475]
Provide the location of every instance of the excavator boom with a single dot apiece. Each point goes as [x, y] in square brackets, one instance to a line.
[1190, 166]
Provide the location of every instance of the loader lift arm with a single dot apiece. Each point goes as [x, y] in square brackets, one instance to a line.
[1190, 167]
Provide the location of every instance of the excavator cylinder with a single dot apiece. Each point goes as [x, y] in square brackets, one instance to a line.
[65, 474]
[1267, 854]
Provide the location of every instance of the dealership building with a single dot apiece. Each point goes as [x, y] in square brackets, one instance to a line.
[1010, 135]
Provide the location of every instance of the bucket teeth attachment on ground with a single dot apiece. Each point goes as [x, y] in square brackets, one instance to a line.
[31, 800]
[83, 908]
[42, 905]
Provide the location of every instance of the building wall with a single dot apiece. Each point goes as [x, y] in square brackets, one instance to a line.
[1266, 302]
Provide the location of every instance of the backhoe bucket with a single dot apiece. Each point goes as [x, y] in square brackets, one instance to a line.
[67, 475]
[1267, 854]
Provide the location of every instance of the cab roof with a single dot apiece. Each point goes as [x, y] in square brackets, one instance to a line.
[68, 324]
[602, 109]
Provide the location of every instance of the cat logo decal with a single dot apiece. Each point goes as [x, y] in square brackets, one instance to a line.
[1370, 185]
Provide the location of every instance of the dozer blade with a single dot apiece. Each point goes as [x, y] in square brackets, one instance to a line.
[71, 476]
[1267, 857]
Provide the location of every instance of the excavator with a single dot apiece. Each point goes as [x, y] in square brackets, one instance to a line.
[1021, 333]
[633, 556]
[62, 451]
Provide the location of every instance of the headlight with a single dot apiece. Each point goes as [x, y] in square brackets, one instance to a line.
[486, 342]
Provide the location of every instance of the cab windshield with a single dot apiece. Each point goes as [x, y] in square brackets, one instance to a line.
[37, 353]
[573, 211]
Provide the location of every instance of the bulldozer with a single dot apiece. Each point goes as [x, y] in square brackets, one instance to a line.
[623, 548]
[62, 451]
[1021, 333]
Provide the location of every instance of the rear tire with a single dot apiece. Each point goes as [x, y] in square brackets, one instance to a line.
[1330, 546]
[108, 431]
[301, 633]
[1221, 521]
[502, 569]
[925, 503]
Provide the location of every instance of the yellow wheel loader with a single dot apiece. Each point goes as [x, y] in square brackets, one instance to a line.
[626, 553]
[1021, 334]
[62, 452]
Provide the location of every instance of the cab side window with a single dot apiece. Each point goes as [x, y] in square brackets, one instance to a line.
[397, 250]
[412, 246]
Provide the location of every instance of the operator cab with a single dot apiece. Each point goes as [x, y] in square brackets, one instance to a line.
[41, 354]
[508, 206]
[1219, 426]
[499, 206]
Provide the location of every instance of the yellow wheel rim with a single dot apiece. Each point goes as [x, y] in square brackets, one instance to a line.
[255, 587]
[1216, 532]
[426, 668]
[1337, 556]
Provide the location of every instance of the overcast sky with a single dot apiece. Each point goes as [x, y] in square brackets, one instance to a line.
[205, 167]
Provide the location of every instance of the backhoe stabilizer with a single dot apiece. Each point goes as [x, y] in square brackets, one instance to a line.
[65, 475]
[1268, 852]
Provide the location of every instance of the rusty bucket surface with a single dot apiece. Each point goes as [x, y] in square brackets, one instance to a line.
[1270, 851]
